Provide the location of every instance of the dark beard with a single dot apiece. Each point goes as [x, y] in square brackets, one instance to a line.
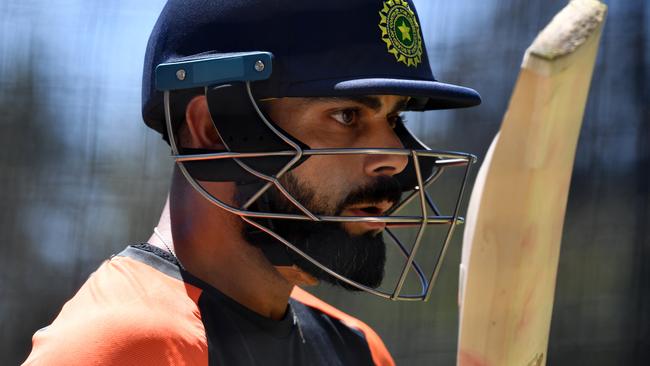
[360, 258]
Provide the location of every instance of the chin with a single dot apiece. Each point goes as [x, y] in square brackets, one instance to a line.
[360, 258]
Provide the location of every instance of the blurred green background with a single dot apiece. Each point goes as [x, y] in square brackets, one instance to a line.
[81, 177]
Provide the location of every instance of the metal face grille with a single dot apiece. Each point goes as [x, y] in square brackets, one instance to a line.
[428, 215]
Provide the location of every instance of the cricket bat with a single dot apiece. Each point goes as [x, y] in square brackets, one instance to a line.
[511, 243]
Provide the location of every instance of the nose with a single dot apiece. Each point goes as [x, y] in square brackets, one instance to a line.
[385, 164]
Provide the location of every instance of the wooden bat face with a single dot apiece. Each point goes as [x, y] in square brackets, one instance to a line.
[512, 239]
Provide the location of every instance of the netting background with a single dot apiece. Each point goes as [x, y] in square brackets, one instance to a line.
[81, 177]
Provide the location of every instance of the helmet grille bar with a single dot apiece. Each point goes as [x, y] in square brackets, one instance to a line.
[450, 232]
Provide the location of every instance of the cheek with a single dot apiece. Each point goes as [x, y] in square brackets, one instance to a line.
[224, 191]
[330, 177]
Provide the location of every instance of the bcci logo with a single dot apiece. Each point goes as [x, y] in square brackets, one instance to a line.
[401, 32]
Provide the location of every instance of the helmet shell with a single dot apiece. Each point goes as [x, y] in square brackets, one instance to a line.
[320, 48]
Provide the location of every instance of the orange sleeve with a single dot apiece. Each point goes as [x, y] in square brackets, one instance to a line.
[112, 342]
[115, 319]
[378, 350]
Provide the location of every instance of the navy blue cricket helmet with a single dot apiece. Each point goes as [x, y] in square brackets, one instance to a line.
[320, 48]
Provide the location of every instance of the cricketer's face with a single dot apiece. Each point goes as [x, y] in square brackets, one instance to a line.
[345, 185]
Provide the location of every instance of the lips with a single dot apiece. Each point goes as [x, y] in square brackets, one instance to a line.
[371, 209]
[365, 210]
[370, 225]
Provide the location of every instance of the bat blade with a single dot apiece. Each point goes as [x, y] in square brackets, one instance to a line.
[514, 221]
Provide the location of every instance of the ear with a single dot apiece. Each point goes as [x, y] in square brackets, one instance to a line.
[201, 131]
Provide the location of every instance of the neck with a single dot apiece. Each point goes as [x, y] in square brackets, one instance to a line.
[207, 241]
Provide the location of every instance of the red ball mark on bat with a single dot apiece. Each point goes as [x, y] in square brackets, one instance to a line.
[529, 240]
[465, 358]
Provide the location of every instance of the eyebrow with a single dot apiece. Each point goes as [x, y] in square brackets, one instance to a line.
[371, 102]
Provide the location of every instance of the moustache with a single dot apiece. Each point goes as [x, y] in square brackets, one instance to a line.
[382, 189]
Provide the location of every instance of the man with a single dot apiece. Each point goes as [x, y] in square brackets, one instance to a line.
[284, 120]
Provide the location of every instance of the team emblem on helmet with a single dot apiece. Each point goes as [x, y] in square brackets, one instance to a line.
[401, 32]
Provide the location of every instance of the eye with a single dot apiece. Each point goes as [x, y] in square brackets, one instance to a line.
[396, 119]
[346, 116]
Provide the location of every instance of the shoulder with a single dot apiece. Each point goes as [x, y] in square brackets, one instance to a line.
[115, 339]
[378, 350]
[125, 315]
